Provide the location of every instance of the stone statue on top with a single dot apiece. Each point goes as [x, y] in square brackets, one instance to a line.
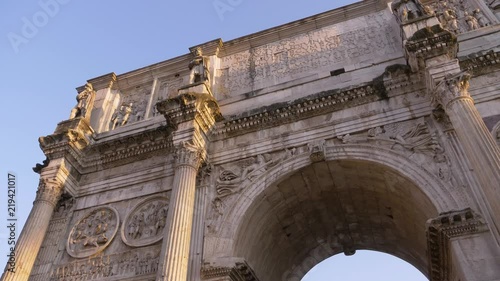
[199, 67]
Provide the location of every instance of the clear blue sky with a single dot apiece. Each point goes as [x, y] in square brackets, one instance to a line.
[49, 48]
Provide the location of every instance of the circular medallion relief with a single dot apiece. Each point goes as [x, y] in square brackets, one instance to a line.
[145, 223]
[93, 232]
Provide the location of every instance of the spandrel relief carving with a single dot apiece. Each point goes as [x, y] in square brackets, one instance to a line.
[231, 177]
[93, 232]
[144, 225]
[412, 138]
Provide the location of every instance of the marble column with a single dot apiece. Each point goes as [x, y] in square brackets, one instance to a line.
[479, 145]
[31, 238]
[199, 217]
[175, 249]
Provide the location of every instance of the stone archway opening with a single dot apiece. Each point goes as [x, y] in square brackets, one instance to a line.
[334, 207]
[364, 265]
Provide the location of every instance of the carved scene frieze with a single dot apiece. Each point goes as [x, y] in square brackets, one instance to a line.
[116, 266]
[93, 232]
[459, 16]
[144, 225]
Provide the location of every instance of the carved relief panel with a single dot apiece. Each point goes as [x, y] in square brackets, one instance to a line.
[93, 232]
[132, 107]
[459, 16]
[145, 223]
[307, 53]
[116, 266]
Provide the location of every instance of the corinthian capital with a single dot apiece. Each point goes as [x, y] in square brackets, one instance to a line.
[451, 88]
[49, 190]
[188, 154]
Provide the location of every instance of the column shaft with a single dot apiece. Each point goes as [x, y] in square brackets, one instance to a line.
[482, 151]
[197, 236]
[175, 254]
[31, 238]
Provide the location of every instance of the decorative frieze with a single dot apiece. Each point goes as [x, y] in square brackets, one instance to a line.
[118, 266]
[443, 228]
[93, 232]
[145, 223]
[315, 105]
[128, 149]
[480, 63]
[241, 271]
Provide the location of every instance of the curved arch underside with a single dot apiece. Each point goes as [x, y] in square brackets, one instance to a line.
[333, 207]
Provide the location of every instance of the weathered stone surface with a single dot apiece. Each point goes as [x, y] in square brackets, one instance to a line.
[353, 129]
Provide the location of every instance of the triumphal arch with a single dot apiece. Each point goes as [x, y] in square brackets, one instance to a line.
[373, 126]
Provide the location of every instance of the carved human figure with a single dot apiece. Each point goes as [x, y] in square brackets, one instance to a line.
[85, 101]
[407, 9]
[121, 116]
[481, 18]
[451, 20]
[471, 21]
[161, 220]
[199, 67]
[138, 223]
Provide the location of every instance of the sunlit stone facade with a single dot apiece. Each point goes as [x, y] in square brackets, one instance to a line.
[372, 126]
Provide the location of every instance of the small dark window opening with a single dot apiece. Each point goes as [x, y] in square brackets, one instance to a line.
[337, 72]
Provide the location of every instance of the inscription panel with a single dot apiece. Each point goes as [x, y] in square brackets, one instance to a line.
[325, 49]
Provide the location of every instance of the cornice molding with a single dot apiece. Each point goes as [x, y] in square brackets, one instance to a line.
[439, 232]
[203, 108]
[282, 113]
[241, 271]
[481, 63]
[128, 149]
